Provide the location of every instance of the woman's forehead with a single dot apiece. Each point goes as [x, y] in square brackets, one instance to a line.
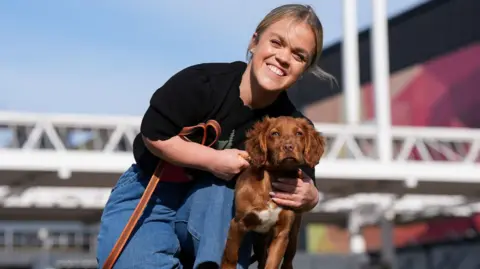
[296, 33]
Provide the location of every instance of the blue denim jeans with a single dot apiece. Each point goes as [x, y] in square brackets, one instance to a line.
[184, 225]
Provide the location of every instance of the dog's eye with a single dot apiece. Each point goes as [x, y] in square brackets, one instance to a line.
[299, 133]
[275, 133]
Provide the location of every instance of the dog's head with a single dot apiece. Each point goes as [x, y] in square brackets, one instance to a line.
[284, 143]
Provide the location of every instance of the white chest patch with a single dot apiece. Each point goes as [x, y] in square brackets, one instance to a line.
[268, 218]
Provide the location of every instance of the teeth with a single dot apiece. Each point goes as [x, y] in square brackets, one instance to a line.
[276, 70]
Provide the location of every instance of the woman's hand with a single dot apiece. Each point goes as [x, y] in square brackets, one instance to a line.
[224, 164]
[228, 163]
[298, 193]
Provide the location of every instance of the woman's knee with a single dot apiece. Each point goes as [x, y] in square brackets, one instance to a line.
[204, 217]
[152, 245]
[154, 240]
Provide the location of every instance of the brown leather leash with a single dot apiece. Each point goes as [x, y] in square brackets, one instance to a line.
[156, 177]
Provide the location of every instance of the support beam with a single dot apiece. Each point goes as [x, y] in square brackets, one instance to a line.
[357, 242]
[350, 63]
[381, 82]
[388, 249]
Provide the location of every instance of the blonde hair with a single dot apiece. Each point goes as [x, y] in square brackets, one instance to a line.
[306, 14]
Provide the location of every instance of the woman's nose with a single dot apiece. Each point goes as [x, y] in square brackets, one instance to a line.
[282, 57]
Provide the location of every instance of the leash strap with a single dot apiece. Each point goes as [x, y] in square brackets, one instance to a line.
[156, 177]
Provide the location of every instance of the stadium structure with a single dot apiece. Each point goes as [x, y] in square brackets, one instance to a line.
[399, 180]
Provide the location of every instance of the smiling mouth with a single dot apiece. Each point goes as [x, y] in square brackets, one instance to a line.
[277, 71]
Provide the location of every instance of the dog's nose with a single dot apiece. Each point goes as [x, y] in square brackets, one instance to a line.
[288, 147]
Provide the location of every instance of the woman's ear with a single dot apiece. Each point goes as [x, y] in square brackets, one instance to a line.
[253, 43]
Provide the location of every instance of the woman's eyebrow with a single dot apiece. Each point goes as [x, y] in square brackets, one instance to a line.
[283, 41]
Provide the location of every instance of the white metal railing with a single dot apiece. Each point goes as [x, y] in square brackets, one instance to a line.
[28, 131]
[62, 133]
[422, 144]
[68, 143]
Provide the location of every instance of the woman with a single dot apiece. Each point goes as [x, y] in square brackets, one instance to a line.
[186, 223]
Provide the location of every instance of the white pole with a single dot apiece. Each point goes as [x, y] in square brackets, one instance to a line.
[351, 95]
[381, 72]
[350, 66]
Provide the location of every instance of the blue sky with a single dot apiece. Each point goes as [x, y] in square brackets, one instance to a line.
[107, 57]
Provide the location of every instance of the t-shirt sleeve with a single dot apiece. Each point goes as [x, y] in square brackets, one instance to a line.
[180, 102]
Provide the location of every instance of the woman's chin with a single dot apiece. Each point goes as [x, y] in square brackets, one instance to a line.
[271, 85]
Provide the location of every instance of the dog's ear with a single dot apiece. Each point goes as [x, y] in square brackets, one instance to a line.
[314, 144]
[256, 143]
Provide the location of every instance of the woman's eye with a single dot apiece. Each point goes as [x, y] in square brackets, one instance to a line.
[276, 43]
[299, 57]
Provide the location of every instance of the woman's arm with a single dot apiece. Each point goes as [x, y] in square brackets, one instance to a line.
[182, 101]
[186, 99]
[182, 153]
[224, 164]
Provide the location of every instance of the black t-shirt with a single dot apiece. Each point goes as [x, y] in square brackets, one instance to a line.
[197, 94]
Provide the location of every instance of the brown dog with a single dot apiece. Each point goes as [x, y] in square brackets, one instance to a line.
[278, 147]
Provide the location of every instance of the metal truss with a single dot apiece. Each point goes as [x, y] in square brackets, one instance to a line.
[72, 133]
[420, 153]
[419, 144]
[33, 132]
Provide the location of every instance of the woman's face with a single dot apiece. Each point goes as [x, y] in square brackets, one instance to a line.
[282, 53]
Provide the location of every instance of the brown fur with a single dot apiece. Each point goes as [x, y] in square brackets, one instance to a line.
[278, 147]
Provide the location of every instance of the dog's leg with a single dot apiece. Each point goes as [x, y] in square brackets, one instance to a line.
[280, 239]
[292, 244]
[260, 247]
[234, 239]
